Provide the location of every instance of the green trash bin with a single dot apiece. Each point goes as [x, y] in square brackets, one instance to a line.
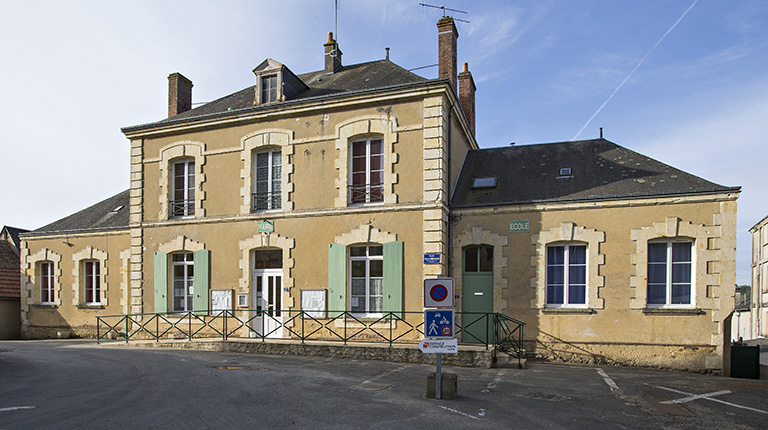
[745, 361]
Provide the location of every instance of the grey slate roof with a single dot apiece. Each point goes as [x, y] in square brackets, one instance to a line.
[14, 232]
[99, 217]
[600, 170]
[357, 77]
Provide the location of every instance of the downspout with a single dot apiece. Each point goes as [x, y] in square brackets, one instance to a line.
[450, 193]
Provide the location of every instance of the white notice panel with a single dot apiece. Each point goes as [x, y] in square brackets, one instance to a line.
[221, 300]
[313, 303]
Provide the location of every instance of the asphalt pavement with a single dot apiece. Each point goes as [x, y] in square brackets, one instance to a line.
[69, 384]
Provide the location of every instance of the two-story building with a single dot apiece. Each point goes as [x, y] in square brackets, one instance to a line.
[333, 185]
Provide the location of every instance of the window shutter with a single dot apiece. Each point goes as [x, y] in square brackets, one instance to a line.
[201, 280]
[337, 279]
[393, 277]
[161, 282]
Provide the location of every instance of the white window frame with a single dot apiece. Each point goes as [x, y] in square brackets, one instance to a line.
[91, 282]
[274, 184]
[668, 276]
[47, 282]
[566, 276]
[367, 258]
[367, 187]
[187, 190]
[187, 279]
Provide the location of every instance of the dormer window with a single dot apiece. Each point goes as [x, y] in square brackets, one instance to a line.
[486, 182]
[269, 89]
[275, 83]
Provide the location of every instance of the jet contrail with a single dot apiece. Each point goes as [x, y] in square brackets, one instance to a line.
[633, 70]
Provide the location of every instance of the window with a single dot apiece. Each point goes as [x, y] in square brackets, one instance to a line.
[183, 266]
[183, 202]
[366, 268]
[367, 172]
[267, 167]
[46, 283]
[669, 274]
[269, 89]
[486, 182]
[478, 259]
[566, 276]
[92, 282]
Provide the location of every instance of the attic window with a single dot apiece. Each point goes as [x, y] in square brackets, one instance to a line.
[487, 182]
[565, 172]
[269, 89]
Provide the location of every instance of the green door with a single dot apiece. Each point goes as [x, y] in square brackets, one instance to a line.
[477, 294]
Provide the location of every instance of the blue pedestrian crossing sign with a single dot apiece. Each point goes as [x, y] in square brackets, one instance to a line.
[438, 323]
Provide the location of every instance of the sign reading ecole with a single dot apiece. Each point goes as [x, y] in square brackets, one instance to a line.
[438, 293]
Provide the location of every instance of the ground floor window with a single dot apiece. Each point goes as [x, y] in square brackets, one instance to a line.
[92, 282]
[366, 268]
[46, 282]
[670, 274]
[183, 266]
[566, 275]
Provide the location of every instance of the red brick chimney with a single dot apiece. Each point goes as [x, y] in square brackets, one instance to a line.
[332, 55]
[446, 49]
[467, 96]
[179, 94]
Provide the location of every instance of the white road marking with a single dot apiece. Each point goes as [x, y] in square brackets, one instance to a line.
[607, 380]
[387, 373]
[16, 408]
[708, 396]
[460, 413]
[492, 385]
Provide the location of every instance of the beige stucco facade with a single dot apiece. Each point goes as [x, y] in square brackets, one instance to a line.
[616, 326]
[759, 302]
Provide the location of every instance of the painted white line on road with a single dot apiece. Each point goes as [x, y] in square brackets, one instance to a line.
[692, 396]
[492, 385]
[607, 380]
[460, 413]
[16, 408]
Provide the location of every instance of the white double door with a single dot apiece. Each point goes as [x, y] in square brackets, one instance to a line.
[268, 299]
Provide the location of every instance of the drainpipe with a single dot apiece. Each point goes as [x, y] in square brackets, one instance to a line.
[450, 194]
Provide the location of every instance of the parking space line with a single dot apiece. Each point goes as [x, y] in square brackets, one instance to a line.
[492, 385]
[460, 413]
[16, 408]
[708, 396]
[607, 380]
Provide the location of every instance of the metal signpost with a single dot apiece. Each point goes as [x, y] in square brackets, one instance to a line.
[438, 324]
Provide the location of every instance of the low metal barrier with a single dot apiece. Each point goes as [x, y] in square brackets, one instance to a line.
[493, 330]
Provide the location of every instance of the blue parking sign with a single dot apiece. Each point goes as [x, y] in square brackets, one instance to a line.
[438, 323]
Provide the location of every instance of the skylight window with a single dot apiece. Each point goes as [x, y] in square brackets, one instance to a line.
[565, 171]
[487, 182]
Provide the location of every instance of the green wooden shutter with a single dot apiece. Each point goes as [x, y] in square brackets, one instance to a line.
[393, 277]
[161, 282]
[201, 281]
[337, 279]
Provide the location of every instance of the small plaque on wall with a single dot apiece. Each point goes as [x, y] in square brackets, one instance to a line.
[313, 303]
[221, 300]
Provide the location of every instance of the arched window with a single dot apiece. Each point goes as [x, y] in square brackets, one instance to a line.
[267, 180]
[367, 171]
[183, 189]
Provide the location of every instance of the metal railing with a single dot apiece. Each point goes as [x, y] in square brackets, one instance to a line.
[180, 208]
[266, 201]
[492, 330]
[366, 193]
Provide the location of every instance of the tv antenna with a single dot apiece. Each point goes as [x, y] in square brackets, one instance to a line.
[443, 8]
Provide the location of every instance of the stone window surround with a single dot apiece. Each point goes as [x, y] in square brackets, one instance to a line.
[263, 140]
[360, 127]
[168, 156]
[33, 277]
[705, 274]
[569, 233]
[474, 236]
[78, 287]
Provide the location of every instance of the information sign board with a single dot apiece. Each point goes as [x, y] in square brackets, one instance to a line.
[432, 258]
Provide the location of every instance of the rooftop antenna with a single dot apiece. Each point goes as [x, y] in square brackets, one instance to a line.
[443, 8]
[336, 19]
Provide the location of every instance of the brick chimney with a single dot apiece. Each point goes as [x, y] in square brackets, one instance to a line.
[446, 49]
[179, 94]
[467, 96]
[332, 55]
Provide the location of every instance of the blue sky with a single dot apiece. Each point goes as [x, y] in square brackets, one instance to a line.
[77, 71]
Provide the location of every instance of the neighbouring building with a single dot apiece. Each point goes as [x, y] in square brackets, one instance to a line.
[759, 302]
[10, 283]
[336, 184]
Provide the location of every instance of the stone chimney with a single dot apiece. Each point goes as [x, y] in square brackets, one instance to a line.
[179, 94]
[332, 55]
[467, 96]
[446, 47]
